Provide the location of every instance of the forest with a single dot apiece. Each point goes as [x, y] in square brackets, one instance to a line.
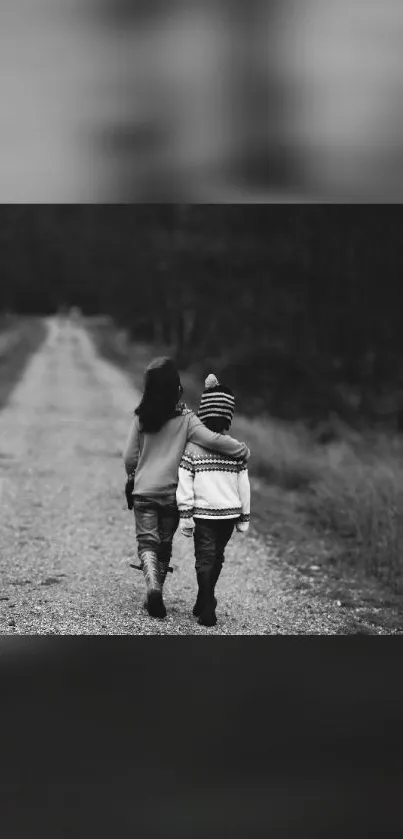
[298, 307]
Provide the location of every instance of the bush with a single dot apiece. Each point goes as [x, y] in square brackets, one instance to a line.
[282, 453]
[351, 488]
[360, 498]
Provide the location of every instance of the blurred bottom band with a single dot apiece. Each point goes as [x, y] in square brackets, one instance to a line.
[291, 737]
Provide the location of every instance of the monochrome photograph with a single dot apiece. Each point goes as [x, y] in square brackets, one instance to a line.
[201, 420]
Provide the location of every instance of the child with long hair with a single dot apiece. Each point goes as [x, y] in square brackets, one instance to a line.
[162, 428]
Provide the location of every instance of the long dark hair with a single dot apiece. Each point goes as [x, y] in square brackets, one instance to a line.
[162, 391]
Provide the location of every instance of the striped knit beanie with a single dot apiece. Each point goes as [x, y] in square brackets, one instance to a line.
[216, 401]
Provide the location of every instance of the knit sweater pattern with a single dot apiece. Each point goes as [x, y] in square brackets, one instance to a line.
[212, 486]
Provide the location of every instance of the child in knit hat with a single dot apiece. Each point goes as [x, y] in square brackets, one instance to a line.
[213, 498]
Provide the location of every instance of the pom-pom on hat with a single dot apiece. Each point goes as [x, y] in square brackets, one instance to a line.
[217, 400]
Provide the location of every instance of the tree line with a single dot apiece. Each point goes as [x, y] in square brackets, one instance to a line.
[299, 306]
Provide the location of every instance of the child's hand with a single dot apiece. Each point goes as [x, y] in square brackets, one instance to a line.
[187, 526]
[242, 526]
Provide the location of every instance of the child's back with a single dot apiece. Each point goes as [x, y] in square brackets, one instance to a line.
[218, 488]
[213, 497]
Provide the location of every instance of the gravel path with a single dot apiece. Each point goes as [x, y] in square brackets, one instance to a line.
[67, 537]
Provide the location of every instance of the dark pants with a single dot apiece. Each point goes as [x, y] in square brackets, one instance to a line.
[156, 525]
[211, 537]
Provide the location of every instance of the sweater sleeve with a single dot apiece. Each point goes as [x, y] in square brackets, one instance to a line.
[221, 443]
[244, 493]
[185, 489]
[132, 451]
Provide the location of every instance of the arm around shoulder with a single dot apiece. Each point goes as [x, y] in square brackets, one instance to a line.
[222, 443]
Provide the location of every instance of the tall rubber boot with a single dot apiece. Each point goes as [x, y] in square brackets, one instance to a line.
[216, 572]
[207, 615]
[214, 579]
[198, 606]
[154, 604]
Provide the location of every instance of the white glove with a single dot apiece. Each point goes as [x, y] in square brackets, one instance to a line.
[187, 526]
[242, 526]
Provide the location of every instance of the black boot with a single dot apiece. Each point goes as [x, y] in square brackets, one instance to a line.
[207, 615]
[155, 605]
[198, 606]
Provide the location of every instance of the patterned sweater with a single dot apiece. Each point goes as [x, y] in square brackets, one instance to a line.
[212, 486]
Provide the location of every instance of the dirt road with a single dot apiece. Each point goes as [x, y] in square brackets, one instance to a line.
[67, 538]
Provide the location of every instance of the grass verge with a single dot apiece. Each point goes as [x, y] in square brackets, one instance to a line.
[335, 507]
[19, 339]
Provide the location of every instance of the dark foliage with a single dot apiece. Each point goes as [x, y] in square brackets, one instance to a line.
[299, 307]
